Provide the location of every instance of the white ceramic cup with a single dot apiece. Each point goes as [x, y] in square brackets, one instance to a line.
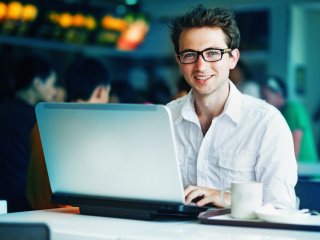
[246, 197]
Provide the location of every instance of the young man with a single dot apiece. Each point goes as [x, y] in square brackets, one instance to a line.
[222, 135]
[275, 92]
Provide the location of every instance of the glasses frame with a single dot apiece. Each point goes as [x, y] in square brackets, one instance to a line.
[223, 51]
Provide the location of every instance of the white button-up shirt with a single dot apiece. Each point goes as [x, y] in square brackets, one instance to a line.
[249, 141]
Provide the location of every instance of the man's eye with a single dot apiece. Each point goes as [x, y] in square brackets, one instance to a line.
[189, 55]
[212, 53]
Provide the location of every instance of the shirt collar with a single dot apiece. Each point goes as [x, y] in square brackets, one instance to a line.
[232, 107]
[188, 111]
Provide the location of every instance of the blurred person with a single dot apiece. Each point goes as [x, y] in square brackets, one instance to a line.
[86, 80]
[275, 92]
[35, 80]
[241, 77]
[60, 95]
[223, 135]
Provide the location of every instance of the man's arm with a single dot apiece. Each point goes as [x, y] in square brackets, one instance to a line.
[276, 167]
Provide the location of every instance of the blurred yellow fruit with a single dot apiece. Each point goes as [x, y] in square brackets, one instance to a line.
[112, 23]
[14, 10]
[65, 20]
[3, 10]
[29, 12]
[106, 21]
[90, 22]
[78, 20]
[54, 17]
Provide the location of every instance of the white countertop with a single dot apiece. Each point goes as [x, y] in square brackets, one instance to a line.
[69, 224]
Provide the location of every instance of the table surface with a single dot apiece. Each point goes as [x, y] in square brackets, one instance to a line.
[67, 223]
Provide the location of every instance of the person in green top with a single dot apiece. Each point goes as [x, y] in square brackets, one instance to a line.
[274, 92]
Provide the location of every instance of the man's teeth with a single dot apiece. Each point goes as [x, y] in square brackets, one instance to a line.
[203, 78]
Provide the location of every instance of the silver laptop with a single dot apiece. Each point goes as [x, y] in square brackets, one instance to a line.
[115, 160]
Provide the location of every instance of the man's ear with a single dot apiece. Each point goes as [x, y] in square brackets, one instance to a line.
[177, 59]
[234, 58]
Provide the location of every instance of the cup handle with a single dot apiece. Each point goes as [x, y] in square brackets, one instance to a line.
[225, 205]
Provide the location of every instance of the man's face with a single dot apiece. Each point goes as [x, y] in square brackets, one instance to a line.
[206, 78]
[47, 89]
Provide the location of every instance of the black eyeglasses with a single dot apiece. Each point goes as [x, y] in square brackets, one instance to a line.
[209, 55]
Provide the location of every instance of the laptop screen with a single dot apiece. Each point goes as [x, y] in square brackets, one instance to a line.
[115, 151]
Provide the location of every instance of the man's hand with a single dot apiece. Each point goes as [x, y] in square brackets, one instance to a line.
[206, 196]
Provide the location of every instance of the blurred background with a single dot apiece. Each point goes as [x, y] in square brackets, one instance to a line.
[131, 36]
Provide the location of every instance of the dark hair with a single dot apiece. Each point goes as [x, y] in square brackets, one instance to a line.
[276, 84]
[29, 67]
[83, 76]
[201, 16]
[124, 91]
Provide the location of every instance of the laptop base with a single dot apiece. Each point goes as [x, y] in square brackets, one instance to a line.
[118, 212]
[132, 209]
[139, 214]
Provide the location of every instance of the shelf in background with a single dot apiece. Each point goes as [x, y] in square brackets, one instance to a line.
[145, 50]
[66, 47]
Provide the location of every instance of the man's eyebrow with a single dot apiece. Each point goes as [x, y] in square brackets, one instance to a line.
[192, 50]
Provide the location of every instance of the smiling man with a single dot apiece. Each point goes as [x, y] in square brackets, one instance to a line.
[222, 135]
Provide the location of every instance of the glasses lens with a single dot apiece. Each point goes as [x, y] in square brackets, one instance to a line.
[188, 57]
[212, 55]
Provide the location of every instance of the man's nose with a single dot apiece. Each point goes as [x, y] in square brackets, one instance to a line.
[201, 64]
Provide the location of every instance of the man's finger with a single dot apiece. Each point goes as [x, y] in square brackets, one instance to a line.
[188, 190]
[194, 194]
